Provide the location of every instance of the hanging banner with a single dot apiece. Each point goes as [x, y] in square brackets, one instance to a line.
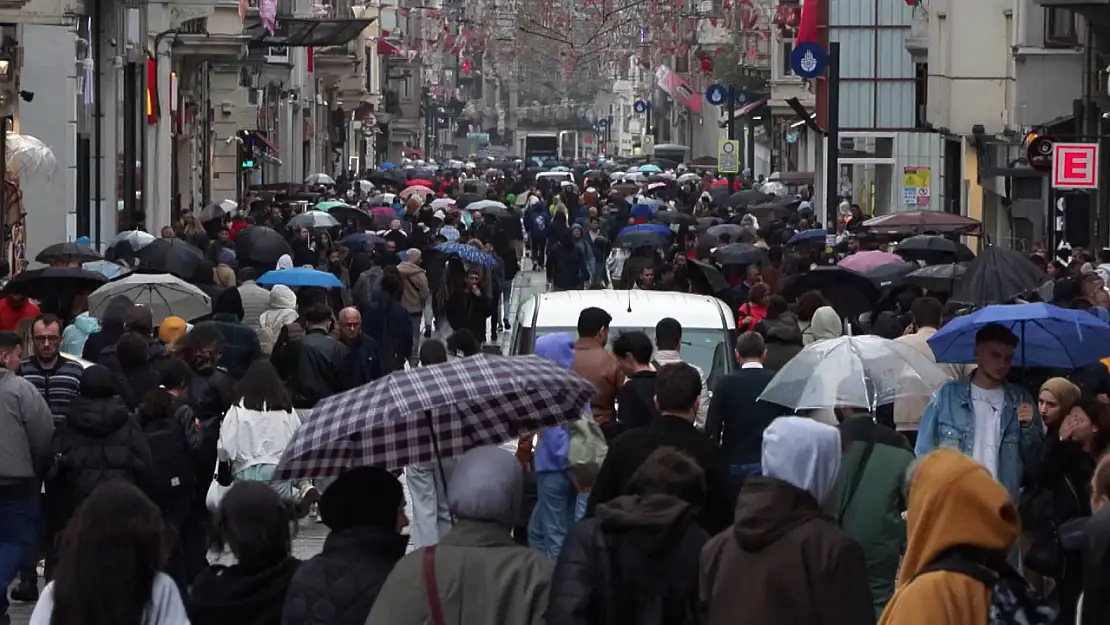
[677, 88]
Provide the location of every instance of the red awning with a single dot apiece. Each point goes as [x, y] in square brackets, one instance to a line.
[264, 140]
[389, 48]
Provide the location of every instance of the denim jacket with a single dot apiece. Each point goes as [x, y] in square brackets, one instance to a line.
[949, 421]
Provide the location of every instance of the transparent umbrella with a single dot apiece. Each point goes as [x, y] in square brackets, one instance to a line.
[859, 371]
[27, 155]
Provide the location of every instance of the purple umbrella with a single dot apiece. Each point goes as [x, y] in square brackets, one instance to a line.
[864, 262]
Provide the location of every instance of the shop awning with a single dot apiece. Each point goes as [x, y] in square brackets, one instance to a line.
[264, 140]
[303, 33]
[388, 47]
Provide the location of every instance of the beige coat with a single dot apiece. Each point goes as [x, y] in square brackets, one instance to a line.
[483, 578]
[908, 410]
[414, 281]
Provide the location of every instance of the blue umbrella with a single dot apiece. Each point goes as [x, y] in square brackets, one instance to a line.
[642, 210]
[657, 228]
[467, 253]
[356, 242]
[650, 169]
[807, 235]
[387, 166]
[106, 268]
[1049, 336]
[300, 276]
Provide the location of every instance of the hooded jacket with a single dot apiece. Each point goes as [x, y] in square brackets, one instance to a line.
[784, 561]
[825, 324]
[550, 453]
[414, 284]
[111, 328]
[635, 562]
[281, 311]
[75, 334]
[953, 501]
[784, 340]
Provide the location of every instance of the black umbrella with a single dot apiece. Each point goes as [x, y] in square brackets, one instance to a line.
[259, 245]
[382, 179]
[71, 252]
[640, 238]
[937, 278]
[739, 254]
[700, 271]
[934, 250]
[747, 197]
[343, 213]
[52, 284]
[719, 195]
[705, 223]
[734, 231]
[467, 198]
[998, 276]
[779, 209]
[891, 275]
[174, 256]
[676, 218]
[849, 293]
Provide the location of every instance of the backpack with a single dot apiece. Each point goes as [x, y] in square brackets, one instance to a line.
[1013, 601]
[586, 449]
[539, 223]
[169, 448]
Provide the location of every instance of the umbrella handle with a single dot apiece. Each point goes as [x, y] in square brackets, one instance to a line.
[439, 458]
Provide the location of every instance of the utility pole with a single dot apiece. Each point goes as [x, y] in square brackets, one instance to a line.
[730, 103]
[832, 165]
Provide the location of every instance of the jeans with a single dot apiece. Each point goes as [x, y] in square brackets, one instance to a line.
[19, 520]
[739, 472]
[431, 518]
[558, 504]
[506, 299]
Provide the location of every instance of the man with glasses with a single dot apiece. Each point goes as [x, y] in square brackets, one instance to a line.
[364, 362]
[56, 377]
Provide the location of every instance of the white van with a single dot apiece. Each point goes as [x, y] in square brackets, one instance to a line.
[708, 326]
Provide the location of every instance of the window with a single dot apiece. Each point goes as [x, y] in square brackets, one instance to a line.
[786, 48]
[1059, 27]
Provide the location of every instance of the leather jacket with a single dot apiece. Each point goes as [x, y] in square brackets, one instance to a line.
[317, 364]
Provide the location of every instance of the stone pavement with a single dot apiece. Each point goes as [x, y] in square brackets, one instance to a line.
[311, 535]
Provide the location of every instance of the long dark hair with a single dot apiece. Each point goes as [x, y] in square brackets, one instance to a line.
[262, 389]
[256, 524]
[112, 547]
[191, 347]
[157, 402]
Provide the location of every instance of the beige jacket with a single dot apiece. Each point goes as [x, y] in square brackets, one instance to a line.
[414, 281]
[908, 410]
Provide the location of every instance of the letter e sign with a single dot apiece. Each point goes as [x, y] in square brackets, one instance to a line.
[1075, 166]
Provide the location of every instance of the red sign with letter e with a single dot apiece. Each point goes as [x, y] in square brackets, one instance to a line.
[1075, 166]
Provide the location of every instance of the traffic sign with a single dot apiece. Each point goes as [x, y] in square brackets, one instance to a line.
[641, 106]
[716, 94]
[1075, 166]
[647, 146]
[728, 156]
[808, 60]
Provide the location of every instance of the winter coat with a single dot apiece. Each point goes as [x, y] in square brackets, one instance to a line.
[469, 311]
[241, 345]
[281, 312]
[98, 442]
[783, 338]
[26, 430]
[317, 368]
[637, 562]
[566, 267]
[387, 322]
[414, 282]
[256, 300]
[77, 333]
[236, 595]
[339, 585]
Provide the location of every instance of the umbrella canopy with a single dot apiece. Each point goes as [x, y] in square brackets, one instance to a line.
[937, 278]
[784, 208]
[747, 197]
[732, 231]
[164, 294]
[300, 276]
[466, 199]
[689, 178]
[849, 293]
[1048, 336]
[137, 239]
[362, 219]
[383, 199]
[650, 169]
[330, 204]
[48, 283]
[260, 245]
[434, 412]
[468, 253]
[317, 179]
[934, 250]
[419, 190]
[174, 256]
[68, 252]
[385, 180]
[807, 236]
[643, 210]
[419, 182]
[676, 218]
[890, 275]
[714, 279]
[739, 254]
[383, 211]
[106, 268]
[867, 260]
[482, 205]
[445, 203]
[216, 210]
[997, 276]
[357, 242]
[313, 219]
[922, 221]
[653, 235]
[387, 166]
[858, 371]
[704, 223]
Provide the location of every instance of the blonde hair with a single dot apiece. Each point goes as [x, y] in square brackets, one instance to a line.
[223, 276]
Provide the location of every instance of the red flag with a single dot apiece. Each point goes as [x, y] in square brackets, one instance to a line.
[807, 24]
[152, 111]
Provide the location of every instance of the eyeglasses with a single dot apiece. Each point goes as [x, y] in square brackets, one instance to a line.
[47, 339]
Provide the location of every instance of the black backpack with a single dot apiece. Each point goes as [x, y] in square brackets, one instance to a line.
[1013, 601]
[173, 461]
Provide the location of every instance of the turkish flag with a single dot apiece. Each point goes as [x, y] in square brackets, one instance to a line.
[807, 26]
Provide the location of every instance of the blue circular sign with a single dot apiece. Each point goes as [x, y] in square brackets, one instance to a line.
[808, 60]
[603, 123]
[640, 106]
[716, 94]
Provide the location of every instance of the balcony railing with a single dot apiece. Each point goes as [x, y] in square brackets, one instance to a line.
[285, 8]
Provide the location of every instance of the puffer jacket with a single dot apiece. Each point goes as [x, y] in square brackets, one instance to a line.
[340, 584]
[99, 442]
[75, 334]
[281, 312]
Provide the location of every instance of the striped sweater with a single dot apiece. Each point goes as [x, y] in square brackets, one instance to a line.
[58, 385]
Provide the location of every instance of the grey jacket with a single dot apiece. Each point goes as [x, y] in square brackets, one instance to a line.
[26, 429]
[256, 300]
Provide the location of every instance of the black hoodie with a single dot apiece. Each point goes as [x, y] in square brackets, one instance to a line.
[110, 329]
[238, 595]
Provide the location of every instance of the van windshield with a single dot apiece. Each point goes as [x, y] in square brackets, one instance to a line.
[703, 348]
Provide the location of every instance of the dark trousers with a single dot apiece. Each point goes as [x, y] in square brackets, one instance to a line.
[19, 525]
[538, 249]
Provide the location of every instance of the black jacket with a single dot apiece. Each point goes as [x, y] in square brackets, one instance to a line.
[99, 442]
[637, 562]
[566, 268]
[363, 363]
[318, 370]
[236, 595]
[387, 322]
[783, 338]
[629, 450]
[469, 311]
[636, 400]
[736, 420]
[340, 585]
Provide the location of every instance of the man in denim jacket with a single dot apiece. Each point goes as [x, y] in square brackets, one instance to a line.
[985, 417]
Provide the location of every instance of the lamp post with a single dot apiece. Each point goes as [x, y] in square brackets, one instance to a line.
[7, 109]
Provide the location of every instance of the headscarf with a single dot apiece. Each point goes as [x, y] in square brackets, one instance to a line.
[1065, 392]
[803, 453]
[486, 485]
[285, 261]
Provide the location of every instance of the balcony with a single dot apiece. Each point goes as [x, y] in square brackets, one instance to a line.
[917, 41]
[1094, 11]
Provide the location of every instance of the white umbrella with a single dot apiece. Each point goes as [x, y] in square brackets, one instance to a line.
[313, 219]
[138, 239]
[365, 186]
[27, 155]
[319, 179]
[484, 204]
[164, 294]
[859, 371]
[443, 202]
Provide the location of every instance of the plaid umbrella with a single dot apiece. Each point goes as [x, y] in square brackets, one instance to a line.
[437, 411]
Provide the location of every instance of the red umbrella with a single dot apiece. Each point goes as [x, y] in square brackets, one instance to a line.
[723, 182]
[382, 211]
[420, 182]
